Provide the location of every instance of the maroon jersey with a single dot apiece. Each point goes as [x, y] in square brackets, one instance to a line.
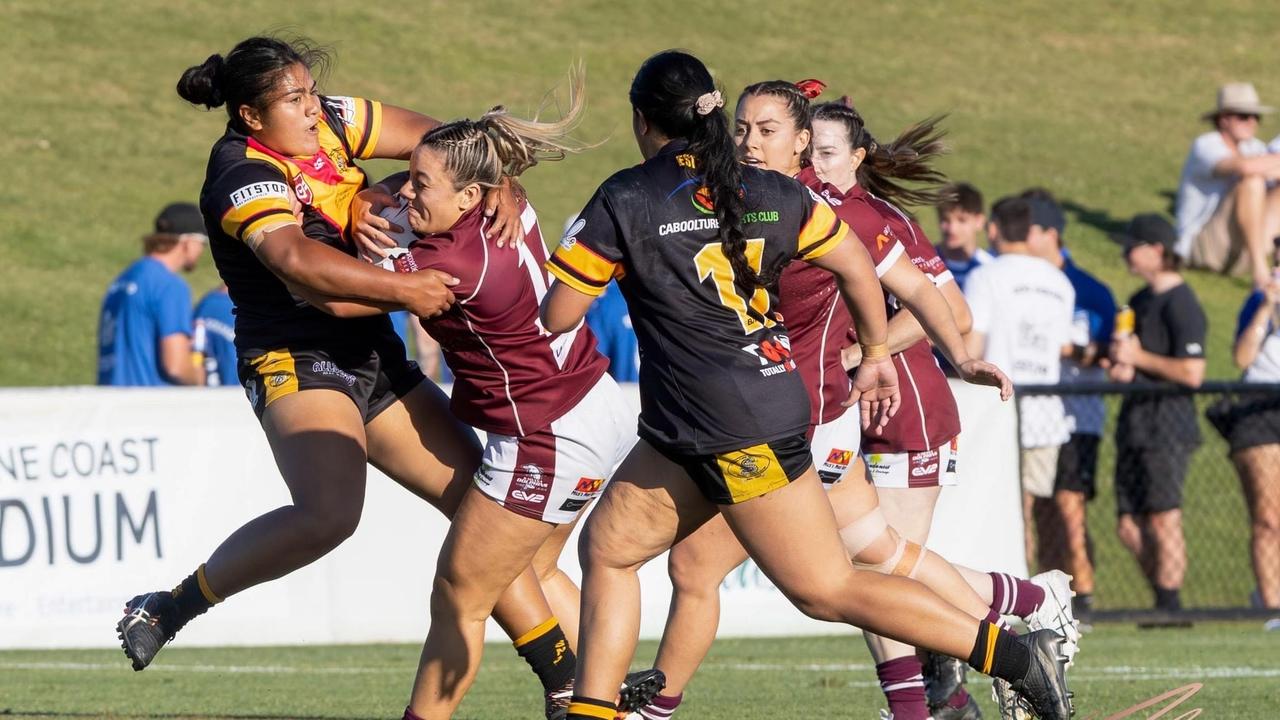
[512, 377]
[818, 321]
[920, 380]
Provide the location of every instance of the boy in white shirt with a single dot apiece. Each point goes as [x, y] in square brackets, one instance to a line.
[1023, 309]
[1228, 203]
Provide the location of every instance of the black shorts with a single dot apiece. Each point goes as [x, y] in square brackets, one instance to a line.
[374, 375]
[1150, 480]
[1078, 465]
[1256, 427]
[736, 476]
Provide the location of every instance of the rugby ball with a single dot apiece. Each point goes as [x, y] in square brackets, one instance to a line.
[399, 258]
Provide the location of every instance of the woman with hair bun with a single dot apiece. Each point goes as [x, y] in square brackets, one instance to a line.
[332, 390]
[699, 240]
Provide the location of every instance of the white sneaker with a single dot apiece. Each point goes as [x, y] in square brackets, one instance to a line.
[1008, 704]
[1055, 612]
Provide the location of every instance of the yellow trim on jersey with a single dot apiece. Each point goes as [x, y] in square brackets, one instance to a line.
[821, 233]
[375, 130]
[278, 375]
[581, 269]
[253, 154]
[751, 472]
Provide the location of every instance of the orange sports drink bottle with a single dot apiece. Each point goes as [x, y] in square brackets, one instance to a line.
[1124, 322]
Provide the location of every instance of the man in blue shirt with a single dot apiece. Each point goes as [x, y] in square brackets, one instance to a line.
[610, 322]
[144, 330]
[215, 338]
[960, 220]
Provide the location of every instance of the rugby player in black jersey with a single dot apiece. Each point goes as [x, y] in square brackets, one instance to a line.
[332, 393]
[697, 242]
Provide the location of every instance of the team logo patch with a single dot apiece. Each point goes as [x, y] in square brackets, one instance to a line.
[571, 235]
[530, 486]
[924, 464]
[253, 191]
[327, 367]
[748, 467]
[702, 201]
[303, 190]
[840, 458]
[589, 486]
[574, 505]
[278, 379]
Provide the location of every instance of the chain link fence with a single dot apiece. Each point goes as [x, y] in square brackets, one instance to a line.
[1157, 498]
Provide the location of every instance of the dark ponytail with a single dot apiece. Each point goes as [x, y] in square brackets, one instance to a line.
[248, 74]
[887, 168]
[666, 91]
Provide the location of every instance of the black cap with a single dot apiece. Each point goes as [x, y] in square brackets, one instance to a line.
[1047, 214]
[1147, 229]
[181, 219]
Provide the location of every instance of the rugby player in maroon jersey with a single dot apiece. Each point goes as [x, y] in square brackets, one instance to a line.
[915, 453]
[772, 132]
[701, 456]
[557, 424]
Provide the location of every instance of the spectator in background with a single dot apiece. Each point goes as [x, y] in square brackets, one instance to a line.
[1254, 436]
[1092, 325]
[1022, 315]
[1157, 433]
[215, 337]
[1227, 215]
[960, 222]
[144, 329]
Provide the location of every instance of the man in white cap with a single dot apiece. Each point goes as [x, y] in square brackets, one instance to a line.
[1227, 213]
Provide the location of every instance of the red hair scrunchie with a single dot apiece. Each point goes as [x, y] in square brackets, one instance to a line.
[811, 88]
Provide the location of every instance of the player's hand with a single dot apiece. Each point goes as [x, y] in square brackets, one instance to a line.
[368, 227]
[1125, 350]
[502, 205]
[980, 372]
[429, 295]
[875, 388]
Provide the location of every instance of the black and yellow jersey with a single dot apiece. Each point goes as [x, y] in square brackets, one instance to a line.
[247, 188]
[716, 372]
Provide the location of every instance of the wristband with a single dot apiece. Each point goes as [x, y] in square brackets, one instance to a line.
[874, 352]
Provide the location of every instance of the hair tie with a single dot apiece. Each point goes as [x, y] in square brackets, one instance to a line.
[811, 88]
[846, 101]
[707, 102]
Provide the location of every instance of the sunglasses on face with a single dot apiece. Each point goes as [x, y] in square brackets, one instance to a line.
[1245, 116]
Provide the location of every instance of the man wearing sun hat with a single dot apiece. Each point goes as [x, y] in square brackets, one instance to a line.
[1228, 204]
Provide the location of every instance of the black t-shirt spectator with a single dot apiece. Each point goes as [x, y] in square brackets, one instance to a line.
[1171, 324]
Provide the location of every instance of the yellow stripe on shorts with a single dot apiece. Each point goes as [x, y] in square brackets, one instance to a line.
[276, 372]
[751, 472]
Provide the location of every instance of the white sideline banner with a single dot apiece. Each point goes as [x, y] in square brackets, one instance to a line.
[106, 493]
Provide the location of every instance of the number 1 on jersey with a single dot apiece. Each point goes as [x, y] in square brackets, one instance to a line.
[712, 263]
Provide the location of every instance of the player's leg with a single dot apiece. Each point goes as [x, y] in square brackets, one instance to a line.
[317, 437]
[487, 548]
[697, 566]
[1166, 468]
[650, 504]
[560, 590]
[790, 532]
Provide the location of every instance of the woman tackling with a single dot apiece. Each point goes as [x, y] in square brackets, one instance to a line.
[699, 239]
[332, 393]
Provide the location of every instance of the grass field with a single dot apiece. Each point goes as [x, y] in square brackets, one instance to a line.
[1238, 664]
[1095, 100]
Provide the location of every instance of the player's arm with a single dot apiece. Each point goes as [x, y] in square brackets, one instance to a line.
[875, 384]
[317, 268]
[1267, 166]
[179, 361]
[564, 307]
[905, 330]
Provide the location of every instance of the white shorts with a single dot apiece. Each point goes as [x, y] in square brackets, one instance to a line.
[553, 474]
[835, 445]
[927, 468]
